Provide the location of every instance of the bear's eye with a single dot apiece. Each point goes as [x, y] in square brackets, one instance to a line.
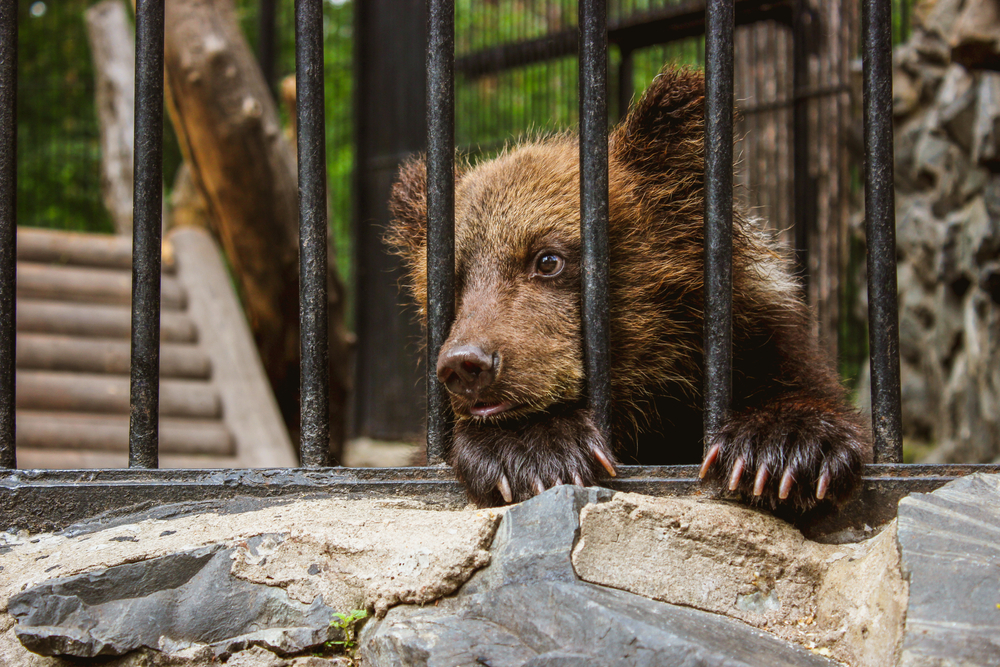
[549, 264]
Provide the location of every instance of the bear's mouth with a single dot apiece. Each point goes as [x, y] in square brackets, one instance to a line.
[488, 409]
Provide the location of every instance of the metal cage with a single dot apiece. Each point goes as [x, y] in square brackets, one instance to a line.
[36, 500]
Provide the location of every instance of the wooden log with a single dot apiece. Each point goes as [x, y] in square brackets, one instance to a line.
[112, 48]
[97, 321]
[249, 406]
[88, 285]
[228, 128]
[47, 352]
[109, 251]
[76, 431]
[84, 392]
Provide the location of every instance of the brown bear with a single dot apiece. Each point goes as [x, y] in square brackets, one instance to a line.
[513, 362]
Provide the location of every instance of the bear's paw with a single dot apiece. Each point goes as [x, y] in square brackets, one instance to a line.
[503, 463]
[794, 452]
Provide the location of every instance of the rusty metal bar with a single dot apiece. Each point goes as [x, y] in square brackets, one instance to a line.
[267, 47]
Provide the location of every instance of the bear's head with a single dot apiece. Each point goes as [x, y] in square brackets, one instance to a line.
[515, 346]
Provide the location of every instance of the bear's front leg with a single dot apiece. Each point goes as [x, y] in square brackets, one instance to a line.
[503, 463]
[796, 450]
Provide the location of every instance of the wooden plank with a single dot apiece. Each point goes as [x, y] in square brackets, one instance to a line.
[31, 459]
[88, 285]
[112, 49]
[230, 133]
[251, 412]
[97, 321]
[110, 251]
[101, 355]
[84, 392]
[75, 431]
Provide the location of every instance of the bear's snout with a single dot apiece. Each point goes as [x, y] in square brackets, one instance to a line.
[466, 370]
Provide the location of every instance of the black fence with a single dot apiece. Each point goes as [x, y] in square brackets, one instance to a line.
[47, 499]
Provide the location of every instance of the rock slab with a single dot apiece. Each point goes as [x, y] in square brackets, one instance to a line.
[168, 603]
[949, 543]
[847, 601]
[189, 586]
[528, 608]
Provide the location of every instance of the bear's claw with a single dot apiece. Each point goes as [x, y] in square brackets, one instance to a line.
[504, 463]
[818, 452]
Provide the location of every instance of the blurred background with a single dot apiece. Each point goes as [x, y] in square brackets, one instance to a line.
[799, 154]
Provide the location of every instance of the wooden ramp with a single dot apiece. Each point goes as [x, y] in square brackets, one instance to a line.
[73, 357]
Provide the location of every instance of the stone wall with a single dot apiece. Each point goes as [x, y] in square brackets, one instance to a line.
[946, 99]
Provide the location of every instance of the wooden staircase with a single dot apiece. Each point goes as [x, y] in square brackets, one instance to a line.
[73, 357]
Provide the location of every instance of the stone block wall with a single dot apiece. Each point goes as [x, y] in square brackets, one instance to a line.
[946, 98]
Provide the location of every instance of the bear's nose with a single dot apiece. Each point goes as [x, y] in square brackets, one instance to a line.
[466, 370]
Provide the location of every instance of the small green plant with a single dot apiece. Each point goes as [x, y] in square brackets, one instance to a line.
[348, 622]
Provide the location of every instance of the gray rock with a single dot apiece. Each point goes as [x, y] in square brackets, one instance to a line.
[975, 35]
[986, 131]
[938, 16]
[847, 600]
[168, 603]
[956, 101]
[905, 93]
[361, 554]
[949, 543]
[526, 610]
[948, 232]
[989, 280]
[919, 238]
[940, 166]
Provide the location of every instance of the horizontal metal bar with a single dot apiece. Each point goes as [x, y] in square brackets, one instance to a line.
[660, 26]
[39, 500]
[808, 93]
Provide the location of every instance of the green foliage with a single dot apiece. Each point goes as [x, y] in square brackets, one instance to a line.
[59, 154]
[338, 44]
[57, 135]
[349, 623]
[542, 97]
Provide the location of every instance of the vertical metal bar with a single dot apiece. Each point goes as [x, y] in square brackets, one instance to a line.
[440, 212]
[146, 232]
[314, 443]
[880, 230]
[626, 87]
[718, 213]
[904, 20]
[8, 226]
[267, 52]
[595, 318]
[804, 223]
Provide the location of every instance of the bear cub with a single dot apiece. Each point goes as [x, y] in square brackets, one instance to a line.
[513, 362]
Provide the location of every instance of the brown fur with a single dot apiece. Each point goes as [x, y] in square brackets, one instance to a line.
[789, 409]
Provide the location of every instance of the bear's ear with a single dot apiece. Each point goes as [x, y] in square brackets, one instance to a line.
[407, 232]
[665, 130]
